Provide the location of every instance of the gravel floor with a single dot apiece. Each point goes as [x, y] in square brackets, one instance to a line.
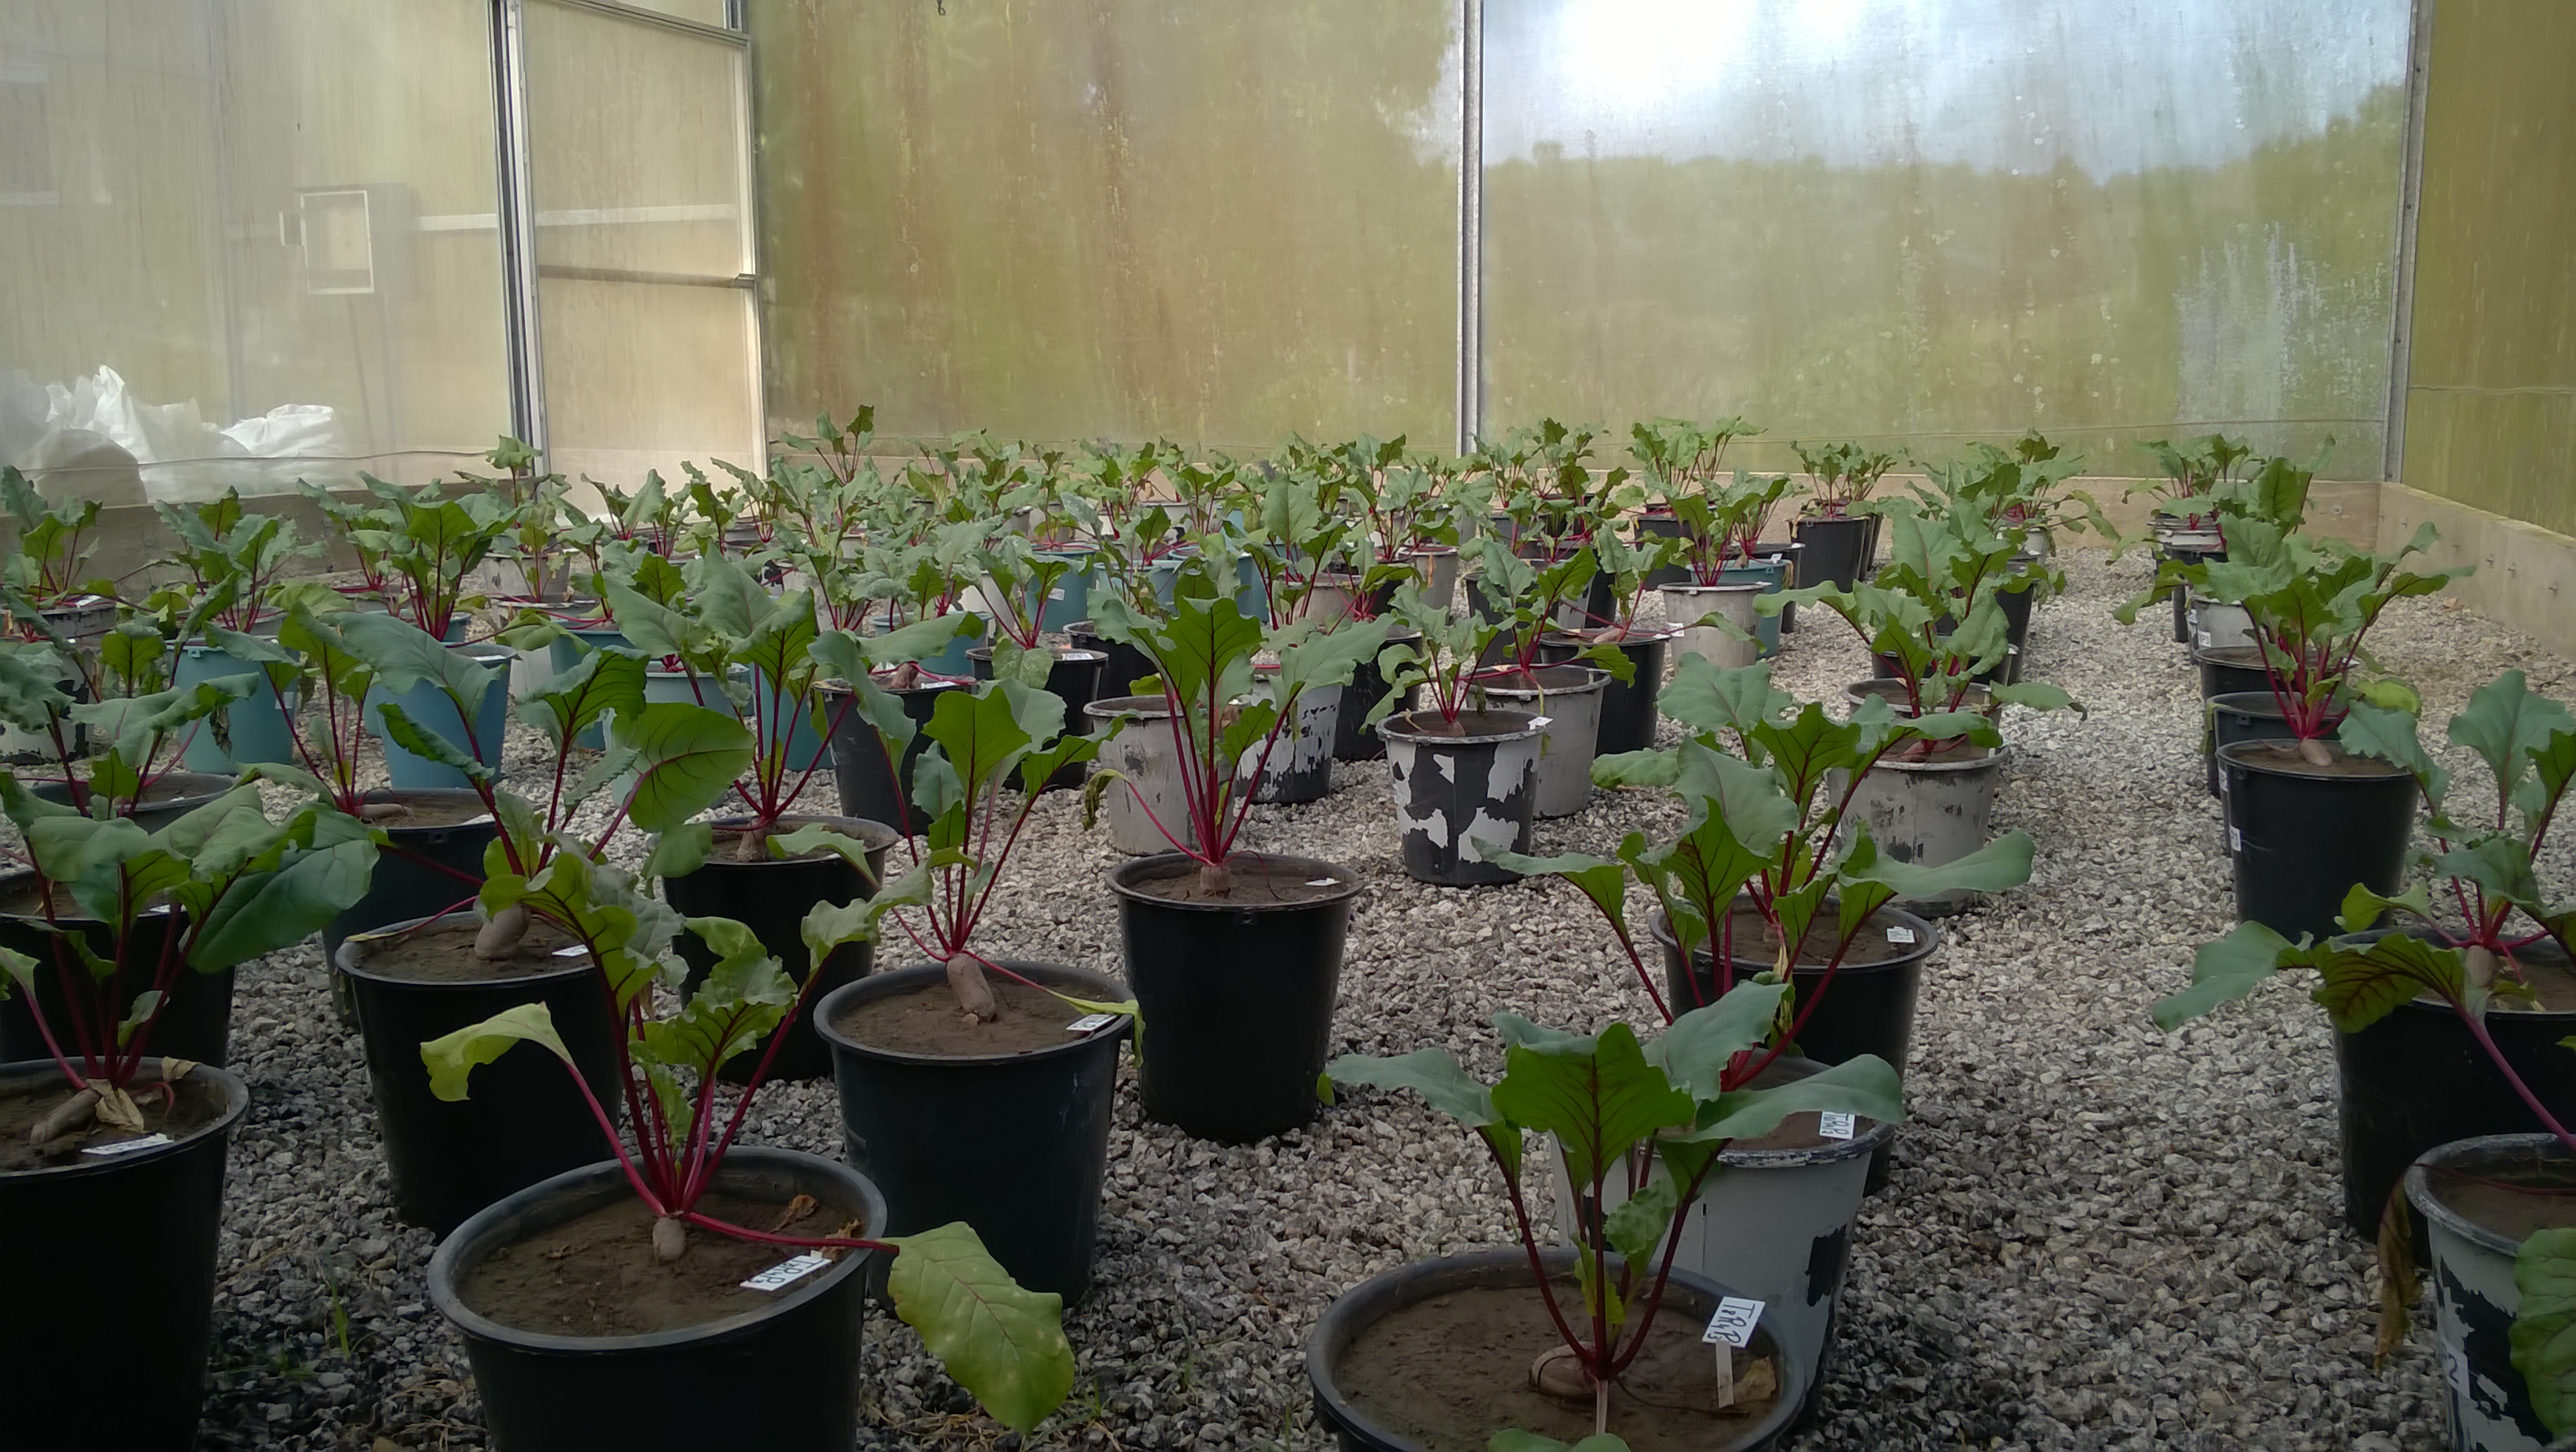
[2097, 1236]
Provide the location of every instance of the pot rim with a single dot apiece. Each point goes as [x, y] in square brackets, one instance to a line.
[236, 1103]
[1372, 1300]
[345, 959]
[1858, 689]
[1594, 681]
[830, 1005]
[1636, 636]
[2240, 753]
[2419, 1186]
[2247, 703]
[1121, 882]
[2228, 655]
[1722, 587]
[926, 685]
[1392, 729]
[446, 1263]
[1993, 760]
[874, 835]
[1150, 708]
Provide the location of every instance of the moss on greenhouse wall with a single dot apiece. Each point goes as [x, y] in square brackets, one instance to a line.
[1932, 304]
[2491, 379]
[1066, 220]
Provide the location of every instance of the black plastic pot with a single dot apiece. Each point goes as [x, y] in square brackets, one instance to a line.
[108, 1268]
[1627, 707]
[2240, 716]
[2299, 840]
[1867, 1009]
[784, 1377]
[1074, 678]
[1686, 1296]
[1122, 665]
[172, 795]
[771, 897]
[2017, 604]
[2231, 670]
[1353, 739]
[196, 1023]
[868, 790]
[1239, 994]
[523, 1119]
[1661, 524]
[2417, 1079]
[1015, 1145]
[1446, 785]
[1839, 549]
[2182, 605]
[420, 873]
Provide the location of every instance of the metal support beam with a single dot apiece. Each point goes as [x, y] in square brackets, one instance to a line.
[2410, 195]
[1471, 223]
[523, 336]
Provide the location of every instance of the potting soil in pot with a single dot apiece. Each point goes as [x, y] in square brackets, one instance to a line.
[189, 1107]
[444, 953]
[595, 1275]
[928, 1022]
[1452, 1370]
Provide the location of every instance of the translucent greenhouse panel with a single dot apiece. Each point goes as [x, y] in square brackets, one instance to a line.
[1930, 220]
[637, 167]
[1219, 223]
[246, 243]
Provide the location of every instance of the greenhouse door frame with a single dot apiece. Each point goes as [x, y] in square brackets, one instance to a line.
[521, 273]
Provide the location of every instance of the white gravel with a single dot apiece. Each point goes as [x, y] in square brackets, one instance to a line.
[2097, 1236]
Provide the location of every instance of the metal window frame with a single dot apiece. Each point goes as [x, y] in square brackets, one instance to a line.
[1471, 223]
[521, 274]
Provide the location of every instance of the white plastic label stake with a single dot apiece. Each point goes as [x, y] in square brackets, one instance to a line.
[785, 1273]
[1321, 882]
[1541, 723]
[1091, 1023]
[127, 1146]
[571, 950]
[1733, 1323]
[1900, 935]
[1834, 1125]
[2235, 840]
[1058, 594]
[2204, 640]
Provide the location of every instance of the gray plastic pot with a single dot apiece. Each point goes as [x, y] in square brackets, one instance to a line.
[1300, 764]
[1732, 601]
[2474, 1296]
[1929, 813]
[2216, 626]
[1775, 1224]
[1686, 1295]
[1145, 751]
[1478, 783]
[1564, 701]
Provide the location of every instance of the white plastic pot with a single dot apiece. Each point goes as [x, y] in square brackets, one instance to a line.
[1929, 813]
[2474, 1296]
[1567, 699]
[1143, 749]
[1731, 601]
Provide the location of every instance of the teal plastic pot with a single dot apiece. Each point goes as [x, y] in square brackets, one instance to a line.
[430, 709]
[567, 653]
[1249, 597]
[1773, 576]
[1070, 600]
[249, 730]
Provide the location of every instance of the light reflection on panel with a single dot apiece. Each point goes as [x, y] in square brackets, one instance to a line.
[1935, 219]
[1124, 218]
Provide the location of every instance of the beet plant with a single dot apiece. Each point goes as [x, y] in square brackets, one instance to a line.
[2459, 938]
[1841, 477]
[1657, 1112]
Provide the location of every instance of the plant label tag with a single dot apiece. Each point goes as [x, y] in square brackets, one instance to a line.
[1904, 936]
[572, 950]
[2204, 640]
[1733, 1323]
[1091, 1023]
[1541, 723]
[1321, 882]
[1833, 1125]
[2235, 840]
[127, 1146]
[476, 821]
[1056, 593]
[785, 1273]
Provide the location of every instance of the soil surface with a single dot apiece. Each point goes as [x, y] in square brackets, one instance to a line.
[2549, 980]
[1797, 1132]
[194, 1105]
[1469, 723]
[926, 1021]
[1251, 884]
[1754, 941]
[443, 952]
[400, 816]
[2283, 756]
[1453, 1370]
[2511, 1209]
[595, 1275]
